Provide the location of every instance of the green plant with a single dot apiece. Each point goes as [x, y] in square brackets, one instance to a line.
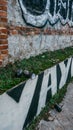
[33, 64]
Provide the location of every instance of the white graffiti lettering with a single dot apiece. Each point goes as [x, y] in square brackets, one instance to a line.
[51, 10]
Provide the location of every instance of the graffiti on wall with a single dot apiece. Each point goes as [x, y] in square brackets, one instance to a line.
[20, 105]
[38, 12]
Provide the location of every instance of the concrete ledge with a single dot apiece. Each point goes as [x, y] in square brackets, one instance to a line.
[21, 104]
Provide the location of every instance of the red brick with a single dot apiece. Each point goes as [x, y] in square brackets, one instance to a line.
[3, 20]
[45, 32]
[3, 8]
[2, 41]
[0, 62]
[23, 28]
[3, 47]
[3, 14]
[37, 32]
[3, 2]
[71, 33]
[3, 30]
[14, 32]
[3, 36]
[1, 58]
[28, 33]
[3, 25]
[34, 31]
[4, 52]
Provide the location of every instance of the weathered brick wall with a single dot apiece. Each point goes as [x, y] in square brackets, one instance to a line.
[25, 40]
[20, 40]
[3, 31]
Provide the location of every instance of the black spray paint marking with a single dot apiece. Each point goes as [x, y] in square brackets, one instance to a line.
[35, 7]
[69, 73]
[57, 10]
[64, 67]
[34, 104]
[16, 92]
[49, 82]
[59, 75]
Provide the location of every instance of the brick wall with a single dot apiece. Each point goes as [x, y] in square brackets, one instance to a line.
[3, 31]
[28, 31]
[19, 40]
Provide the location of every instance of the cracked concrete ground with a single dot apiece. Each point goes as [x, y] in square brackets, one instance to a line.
[64, 119]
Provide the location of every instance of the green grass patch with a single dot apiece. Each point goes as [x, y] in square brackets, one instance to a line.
[33, 64]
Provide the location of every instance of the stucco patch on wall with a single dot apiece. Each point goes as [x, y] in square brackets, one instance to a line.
[25, 46]
[14, 13]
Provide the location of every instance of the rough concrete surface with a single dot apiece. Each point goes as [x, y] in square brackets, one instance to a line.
[64, 119]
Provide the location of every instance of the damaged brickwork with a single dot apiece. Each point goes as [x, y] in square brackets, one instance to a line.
[20, 40]
[3, 32]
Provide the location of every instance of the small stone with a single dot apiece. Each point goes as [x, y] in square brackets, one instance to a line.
[29, 74]
[50, 118]
[61, 105]
[53, 113]
[19, 72]
[26, 72]
[59, 128]
[58, 108]
[33, 76]
[43, 56]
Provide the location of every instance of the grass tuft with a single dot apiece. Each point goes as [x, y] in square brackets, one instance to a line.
[33, 64]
